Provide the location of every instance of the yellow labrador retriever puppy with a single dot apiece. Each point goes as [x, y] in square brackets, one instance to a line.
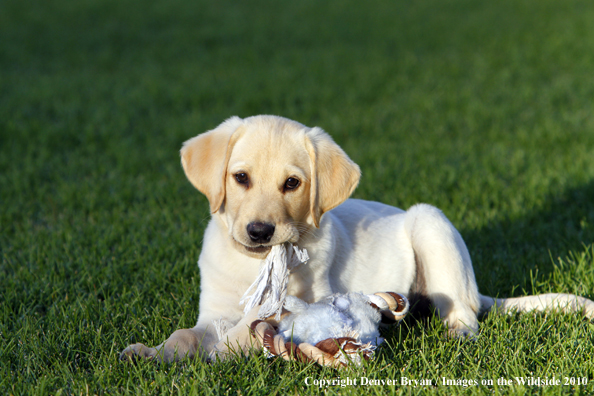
[270, 180]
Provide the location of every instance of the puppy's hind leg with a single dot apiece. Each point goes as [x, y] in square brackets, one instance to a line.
[444, 269]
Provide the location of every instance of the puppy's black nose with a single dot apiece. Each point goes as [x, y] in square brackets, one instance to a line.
[260, 232]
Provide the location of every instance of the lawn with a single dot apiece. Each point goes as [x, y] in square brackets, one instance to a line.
[484, 109]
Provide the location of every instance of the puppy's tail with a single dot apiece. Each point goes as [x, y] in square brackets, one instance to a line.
[540, 303]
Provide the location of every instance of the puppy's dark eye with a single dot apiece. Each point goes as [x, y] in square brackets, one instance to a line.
[242, 178]
[291, 183]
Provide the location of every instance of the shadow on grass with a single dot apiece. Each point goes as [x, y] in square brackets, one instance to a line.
[505, 252]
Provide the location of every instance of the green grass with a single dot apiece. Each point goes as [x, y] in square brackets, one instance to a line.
[484, 109]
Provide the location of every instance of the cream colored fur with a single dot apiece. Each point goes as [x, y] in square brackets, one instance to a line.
[353, 245]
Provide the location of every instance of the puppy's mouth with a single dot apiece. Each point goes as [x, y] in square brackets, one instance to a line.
[259, 251]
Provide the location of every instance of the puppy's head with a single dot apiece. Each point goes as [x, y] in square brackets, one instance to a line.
[269, 179]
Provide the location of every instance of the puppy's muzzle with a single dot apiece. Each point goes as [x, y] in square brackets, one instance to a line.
[260, 232]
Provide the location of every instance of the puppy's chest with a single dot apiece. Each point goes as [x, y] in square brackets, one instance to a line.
[245, 275]
[308, 285]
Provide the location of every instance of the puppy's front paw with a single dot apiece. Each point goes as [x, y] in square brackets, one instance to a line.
[136, 351]
[183, 344]
[226, 349]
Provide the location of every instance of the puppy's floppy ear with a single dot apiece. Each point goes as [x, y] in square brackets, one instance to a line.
[205, 158]
[334, 174]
